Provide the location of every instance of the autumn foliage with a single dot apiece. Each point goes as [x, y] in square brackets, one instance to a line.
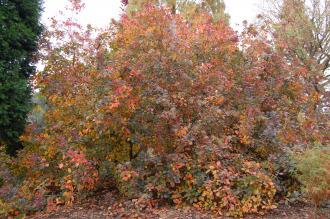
[186, 112]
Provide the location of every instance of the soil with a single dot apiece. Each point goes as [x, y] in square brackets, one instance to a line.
[110, 205]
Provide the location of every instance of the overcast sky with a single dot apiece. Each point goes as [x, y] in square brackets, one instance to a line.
[100, 12]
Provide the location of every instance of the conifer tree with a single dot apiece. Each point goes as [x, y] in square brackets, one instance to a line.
[19, 31]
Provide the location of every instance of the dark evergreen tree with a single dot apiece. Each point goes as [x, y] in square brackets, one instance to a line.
[19, 30]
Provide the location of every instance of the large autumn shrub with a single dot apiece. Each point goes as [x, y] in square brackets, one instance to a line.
[193, 107]
[195, 91]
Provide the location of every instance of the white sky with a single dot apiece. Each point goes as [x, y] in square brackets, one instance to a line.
[100, 12]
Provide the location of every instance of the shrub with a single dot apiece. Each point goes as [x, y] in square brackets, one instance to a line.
[313, 166]
[234, 187]
[256, 189]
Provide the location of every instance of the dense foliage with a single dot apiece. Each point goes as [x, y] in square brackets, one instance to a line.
[183, 111]
[305, 25]
[313, 166]
[19, 30]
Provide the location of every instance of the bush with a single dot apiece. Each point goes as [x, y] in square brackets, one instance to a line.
[313, 171]
[234, 188]
[256, 189]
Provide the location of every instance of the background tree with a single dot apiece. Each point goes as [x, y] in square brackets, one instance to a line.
[216, 8]
[20, 28]
[304, 27]
[306, 24]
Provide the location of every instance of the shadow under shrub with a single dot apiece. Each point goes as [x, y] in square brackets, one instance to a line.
[282, 168]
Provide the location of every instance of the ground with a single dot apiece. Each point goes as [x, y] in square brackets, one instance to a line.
[110, 205]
